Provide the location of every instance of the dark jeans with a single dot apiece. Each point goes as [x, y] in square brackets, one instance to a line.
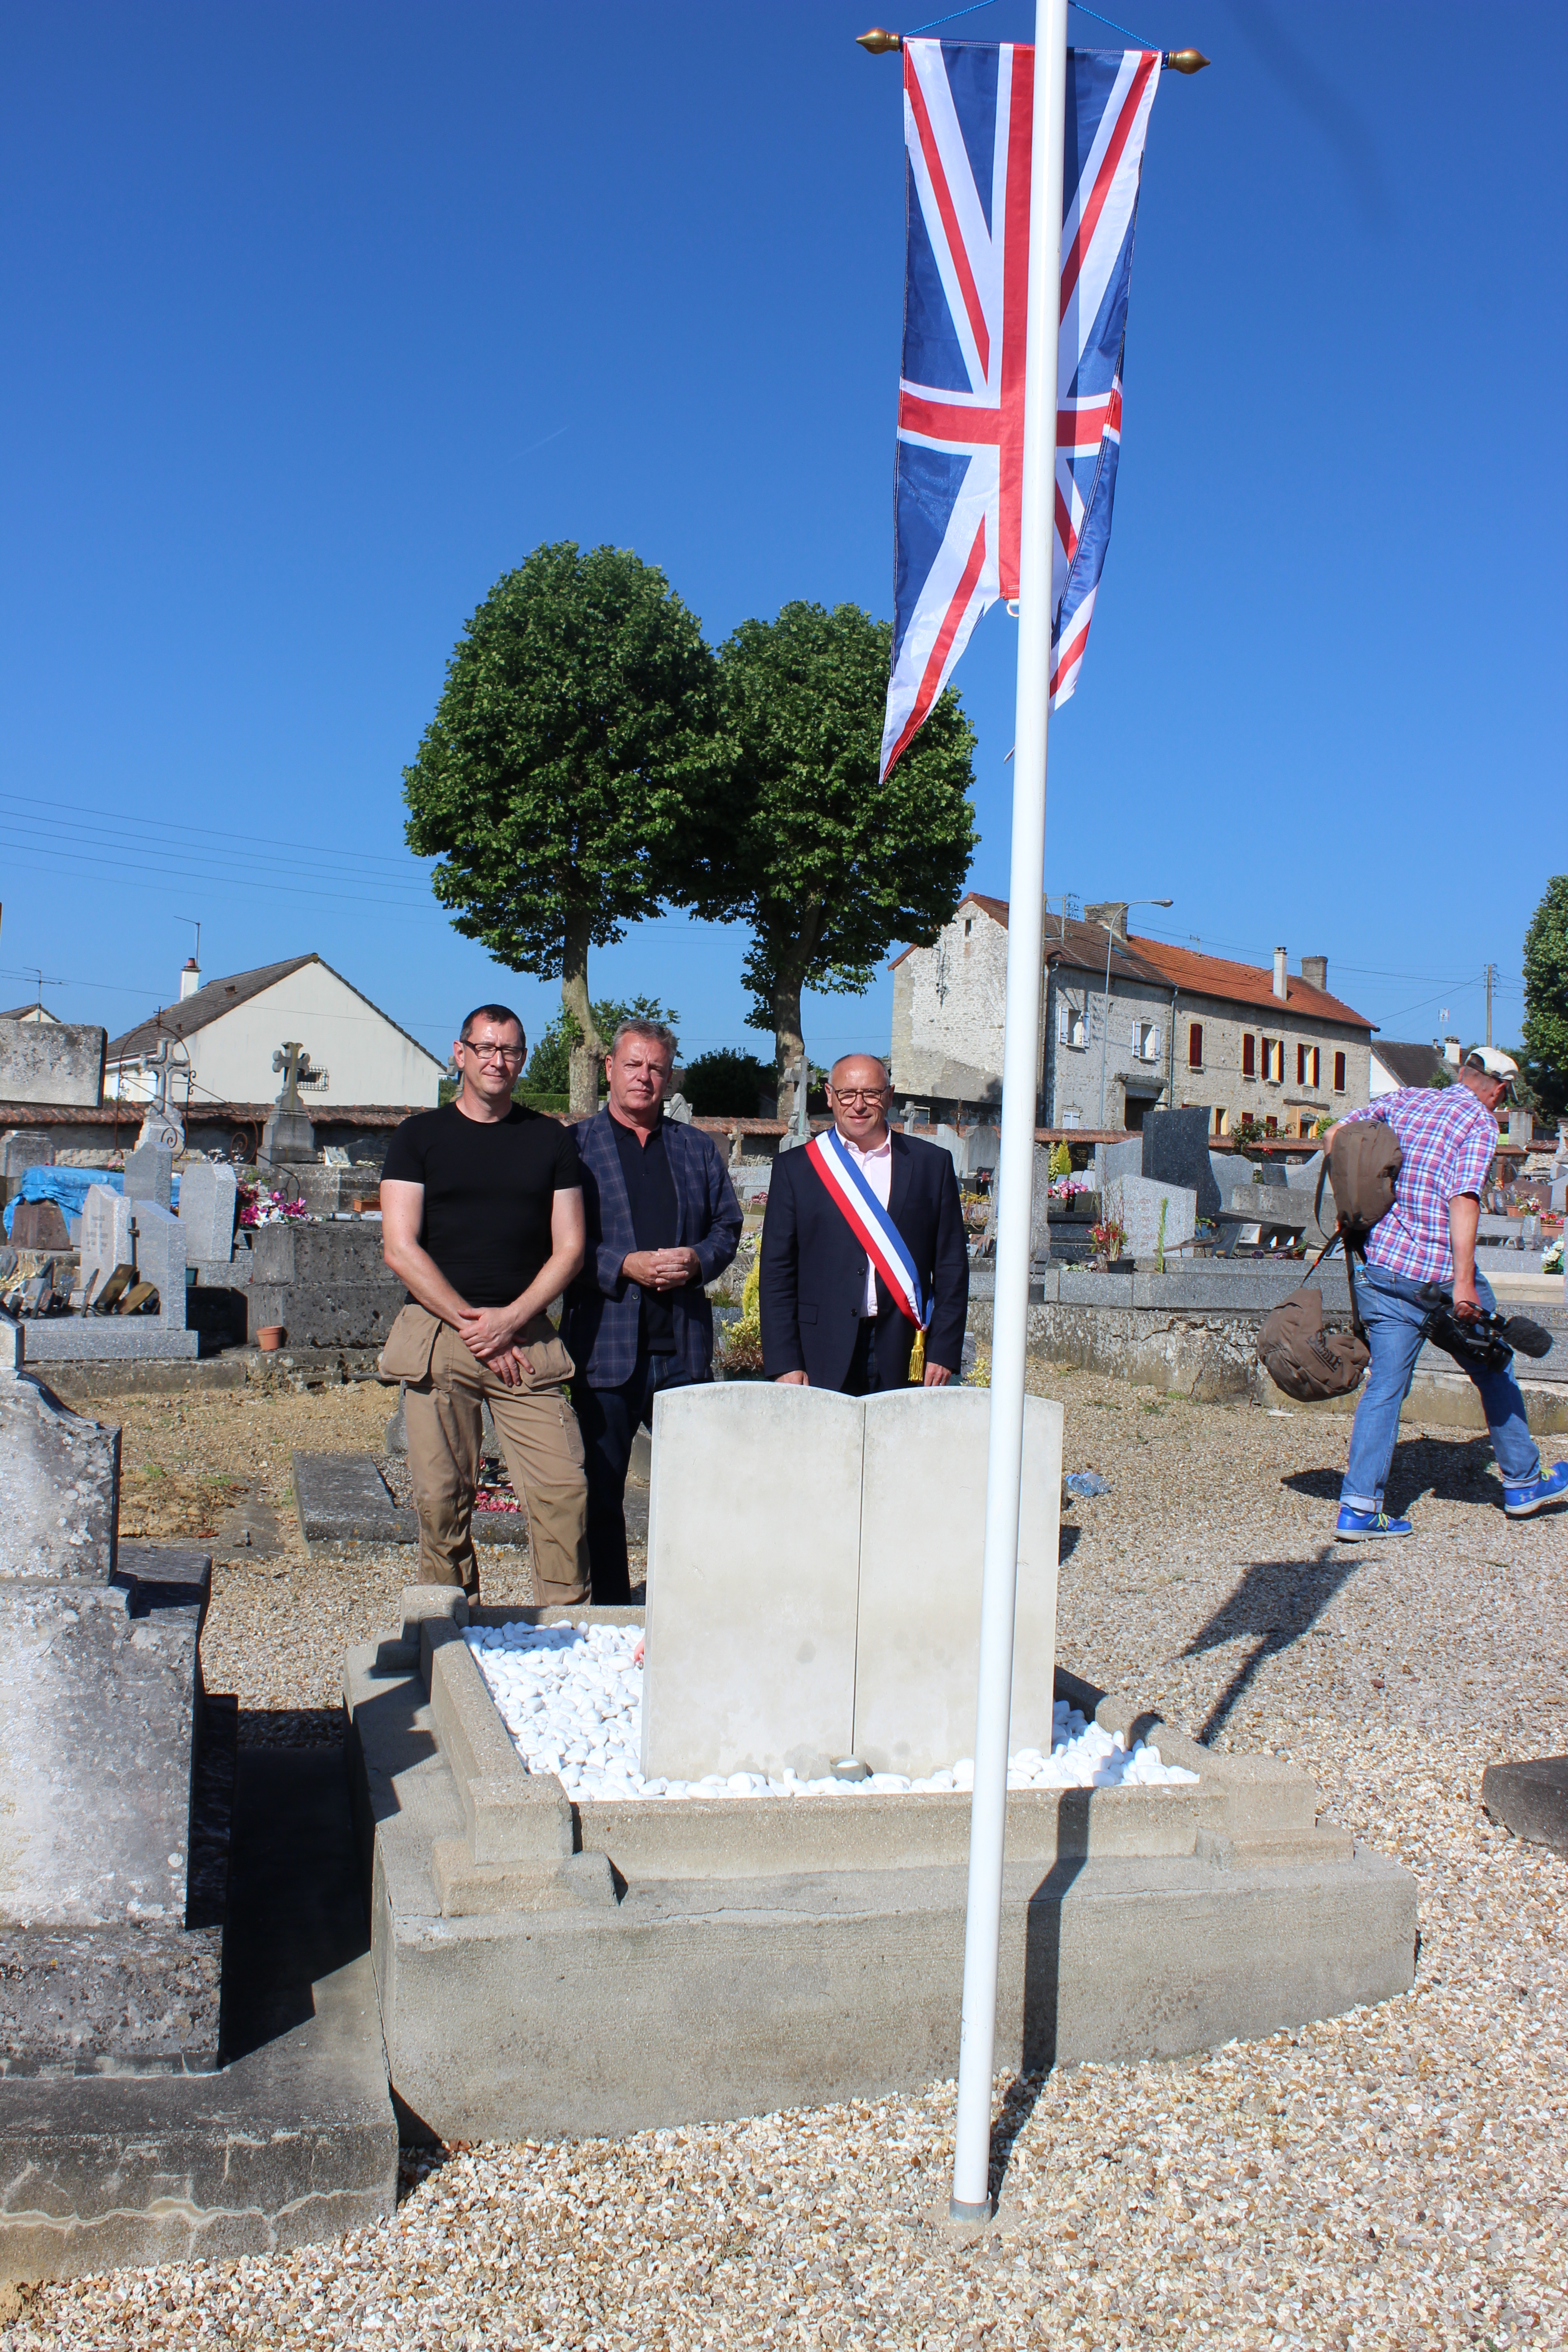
[860, 1380]
[609, 1420]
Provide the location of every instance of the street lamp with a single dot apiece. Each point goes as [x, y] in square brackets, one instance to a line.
[1105, 1031]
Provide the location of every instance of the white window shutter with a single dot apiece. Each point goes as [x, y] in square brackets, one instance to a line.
[1064, 1022]
[1153, 1041]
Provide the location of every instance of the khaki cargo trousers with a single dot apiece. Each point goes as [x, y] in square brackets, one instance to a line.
[446, 1389]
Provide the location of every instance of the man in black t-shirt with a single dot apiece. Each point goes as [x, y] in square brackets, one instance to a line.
[481, 1207]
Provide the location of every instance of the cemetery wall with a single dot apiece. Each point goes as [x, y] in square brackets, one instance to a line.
[1177, 1334]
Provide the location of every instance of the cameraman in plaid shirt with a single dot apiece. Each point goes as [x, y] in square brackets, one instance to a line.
[1425, 1246]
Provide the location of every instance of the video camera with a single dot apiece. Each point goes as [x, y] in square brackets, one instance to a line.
[1488, 1342]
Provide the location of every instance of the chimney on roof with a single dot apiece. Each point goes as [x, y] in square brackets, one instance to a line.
[1279, 973]
[1451, 1051]
[1113, 914]
[1315, 971]
[190, 977]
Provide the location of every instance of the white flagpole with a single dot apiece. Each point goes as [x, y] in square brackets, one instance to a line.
[971, 2200]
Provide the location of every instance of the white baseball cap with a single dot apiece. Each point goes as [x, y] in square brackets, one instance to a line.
[1494, 1063]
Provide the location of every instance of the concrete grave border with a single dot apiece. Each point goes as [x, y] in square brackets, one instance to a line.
[612, 1966]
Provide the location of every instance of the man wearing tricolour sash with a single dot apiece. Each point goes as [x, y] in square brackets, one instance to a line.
[863, 1250]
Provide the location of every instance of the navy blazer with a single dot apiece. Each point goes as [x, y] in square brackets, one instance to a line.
[603, 1309]
[812, 1281]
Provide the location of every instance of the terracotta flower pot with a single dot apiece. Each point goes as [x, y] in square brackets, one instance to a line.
[270, 1339]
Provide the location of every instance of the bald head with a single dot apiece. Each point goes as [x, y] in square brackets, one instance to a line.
[858, 1092]
[869, 1071]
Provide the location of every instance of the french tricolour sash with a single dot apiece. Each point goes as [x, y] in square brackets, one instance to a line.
[869, 1222]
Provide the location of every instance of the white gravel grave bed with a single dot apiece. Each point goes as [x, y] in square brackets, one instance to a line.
[571, 1697]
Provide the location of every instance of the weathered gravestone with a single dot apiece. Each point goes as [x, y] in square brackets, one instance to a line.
[1039, 1208]
[100, 1700]
[769, 1649]
[952, 1142]
[1114, 1160]
[982, 1150]
[24, 1148]
[105, 1238]
[1176, 1150]
[121, 2141]
[52, 1061]
[208, 1194]
[1135, 1204]
[160, 1243]
[150, 1175]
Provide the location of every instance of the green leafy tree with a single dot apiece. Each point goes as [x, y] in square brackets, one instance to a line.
[725, 1083]
[830, 866]
[550, 1063]
[1546, 1000]
[564, 780]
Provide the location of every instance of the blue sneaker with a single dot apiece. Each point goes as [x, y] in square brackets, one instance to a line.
[1521, 1502]
[1361, 1527]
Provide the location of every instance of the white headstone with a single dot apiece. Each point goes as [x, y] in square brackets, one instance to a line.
[774, 1641]
[105, 1237]
[922, 1526]
[751, 1609]
[1134, 1203]
[208, 1196]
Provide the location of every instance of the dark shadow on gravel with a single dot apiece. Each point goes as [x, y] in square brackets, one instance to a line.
[291, 1727]
[1449, 1470]
[1276, 1602]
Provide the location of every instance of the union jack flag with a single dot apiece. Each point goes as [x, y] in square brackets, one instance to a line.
[968, 120]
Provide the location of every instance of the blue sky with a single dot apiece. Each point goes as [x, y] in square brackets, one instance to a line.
[320, 318]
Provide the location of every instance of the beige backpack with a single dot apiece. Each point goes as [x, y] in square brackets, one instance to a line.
[1300, 1356]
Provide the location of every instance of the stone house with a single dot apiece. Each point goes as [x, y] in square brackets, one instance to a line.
[1174, 1028]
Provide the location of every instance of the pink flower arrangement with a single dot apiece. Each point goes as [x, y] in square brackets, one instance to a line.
[257, 1206]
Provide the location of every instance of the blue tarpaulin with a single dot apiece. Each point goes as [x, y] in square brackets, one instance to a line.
[68, 1187]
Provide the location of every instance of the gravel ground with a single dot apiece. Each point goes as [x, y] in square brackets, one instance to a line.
[1392, 2178]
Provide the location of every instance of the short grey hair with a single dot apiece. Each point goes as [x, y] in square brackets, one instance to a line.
[658, 1032]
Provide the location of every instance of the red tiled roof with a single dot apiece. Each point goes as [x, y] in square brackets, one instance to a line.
[1241, 984]
[1082, 946]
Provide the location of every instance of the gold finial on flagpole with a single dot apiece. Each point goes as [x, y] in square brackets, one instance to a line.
[1185, 60]
[879, 41]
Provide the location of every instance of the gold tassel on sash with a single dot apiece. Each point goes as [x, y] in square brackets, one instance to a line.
[918, 1358]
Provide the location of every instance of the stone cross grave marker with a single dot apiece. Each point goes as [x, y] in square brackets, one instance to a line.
[289, 1134]
[774, 1643]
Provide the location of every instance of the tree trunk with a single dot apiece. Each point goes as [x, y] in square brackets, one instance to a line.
[791, 963]
[584, 1097]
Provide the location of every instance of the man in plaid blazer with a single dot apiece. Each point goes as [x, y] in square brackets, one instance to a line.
[663, 1222]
